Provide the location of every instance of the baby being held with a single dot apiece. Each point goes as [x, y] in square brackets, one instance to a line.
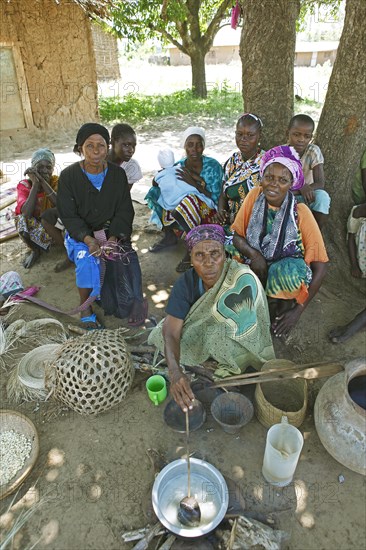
[172, 189]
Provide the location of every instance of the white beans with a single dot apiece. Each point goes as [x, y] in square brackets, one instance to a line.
[15, 448]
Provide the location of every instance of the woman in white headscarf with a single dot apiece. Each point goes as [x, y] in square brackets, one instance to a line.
[202, 174]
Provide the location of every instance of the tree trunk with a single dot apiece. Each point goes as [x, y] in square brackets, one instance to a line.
[199, 87]
[341, 132]
[267, 51]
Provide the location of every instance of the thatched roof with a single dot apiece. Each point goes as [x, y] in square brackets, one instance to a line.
[93, 8]
[97, 8]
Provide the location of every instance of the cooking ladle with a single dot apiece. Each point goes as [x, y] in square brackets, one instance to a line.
[189, 513]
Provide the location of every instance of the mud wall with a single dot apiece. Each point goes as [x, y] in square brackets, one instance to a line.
[57, 52]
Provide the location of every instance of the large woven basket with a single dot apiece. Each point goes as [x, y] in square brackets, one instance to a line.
[91, 373]
[283, 398]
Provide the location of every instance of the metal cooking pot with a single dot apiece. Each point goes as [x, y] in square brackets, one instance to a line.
[207, 485]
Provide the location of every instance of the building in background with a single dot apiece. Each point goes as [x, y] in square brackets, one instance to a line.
[51, 56]
[225, 49]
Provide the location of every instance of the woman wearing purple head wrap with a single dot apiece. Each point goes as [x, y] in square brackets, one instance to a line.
[217, 309]
[281, 240]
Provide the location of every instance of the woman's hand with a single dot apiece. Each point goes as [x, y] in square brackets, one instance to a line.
[308, 193]
[93, 245]
[33, 175]
[40, 183]
[180, 389]
[283, 324]
[109, 246]
[258, 264]
[183, 174]
[221, 217]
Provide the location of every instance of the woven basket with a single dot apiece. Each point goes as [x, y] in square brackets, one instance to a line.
[283, 398]
[91, 373]
[27, 380]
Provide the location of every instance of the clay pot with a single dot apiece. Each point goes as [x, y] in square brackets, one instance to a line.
[340, 421]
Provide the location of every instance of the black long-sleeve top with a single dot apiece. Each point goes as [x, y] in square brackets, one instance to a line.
[83, 209]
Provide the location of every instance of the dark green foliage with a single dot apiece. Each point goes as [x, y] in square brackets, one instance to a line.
[134, 108]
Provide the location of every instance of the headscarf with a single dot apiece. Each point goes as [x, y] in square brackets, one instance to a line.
[43, 154]
[89, 129]
[287, 156]
[205, 232]
[194, 131]
[166, 157]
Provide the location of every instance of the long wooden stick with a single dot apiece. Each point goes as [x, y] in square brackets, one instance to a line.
[308, 374]
[188, 460]
[289, 368]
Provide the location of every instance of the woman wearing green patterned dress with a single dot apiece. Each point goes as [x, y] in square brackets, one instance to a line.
[281, 240]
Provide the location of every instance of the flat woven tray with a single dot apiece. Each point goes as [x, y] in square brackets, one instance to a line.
[12, 420]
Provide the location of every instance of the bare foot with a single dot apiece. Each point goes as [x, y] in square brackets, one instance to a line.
[169, 239]
[341, 334]
[31, 259]
[138, 313]
[62, 265]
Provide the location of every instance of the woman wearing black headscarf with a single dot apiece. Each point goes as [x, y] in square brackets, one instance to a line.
[94, 204]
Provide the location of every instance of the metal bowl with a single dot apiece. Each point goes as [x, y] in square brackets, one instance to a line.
[175, 418]
[207, 485]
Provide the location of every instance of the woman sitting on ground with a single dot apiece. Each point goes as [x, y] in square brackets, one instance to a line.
[95, 206]
[241, 174]
[36, 199]
[202, 173]
[217, 309]
[281, 239]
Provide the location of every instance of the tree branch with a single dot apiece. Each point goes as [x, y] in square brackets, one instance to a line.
[171, 39]
[214, 25]
[193, 7]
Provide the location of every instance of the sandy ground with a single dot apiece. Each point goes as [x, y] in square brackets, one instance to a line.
[93, 477]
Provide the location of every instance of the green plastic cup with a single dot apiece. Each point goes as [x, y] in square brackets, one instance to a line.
[156, 388]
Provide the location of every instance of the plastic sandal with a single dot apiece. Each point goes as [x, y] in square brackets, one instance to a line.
[92, 319]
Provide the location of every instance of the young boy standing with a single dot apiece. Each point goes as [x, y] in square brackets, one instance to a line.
[300, 134]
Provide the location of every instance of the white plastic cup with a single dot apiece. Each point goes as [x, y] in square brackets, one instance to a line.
[283, 447]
